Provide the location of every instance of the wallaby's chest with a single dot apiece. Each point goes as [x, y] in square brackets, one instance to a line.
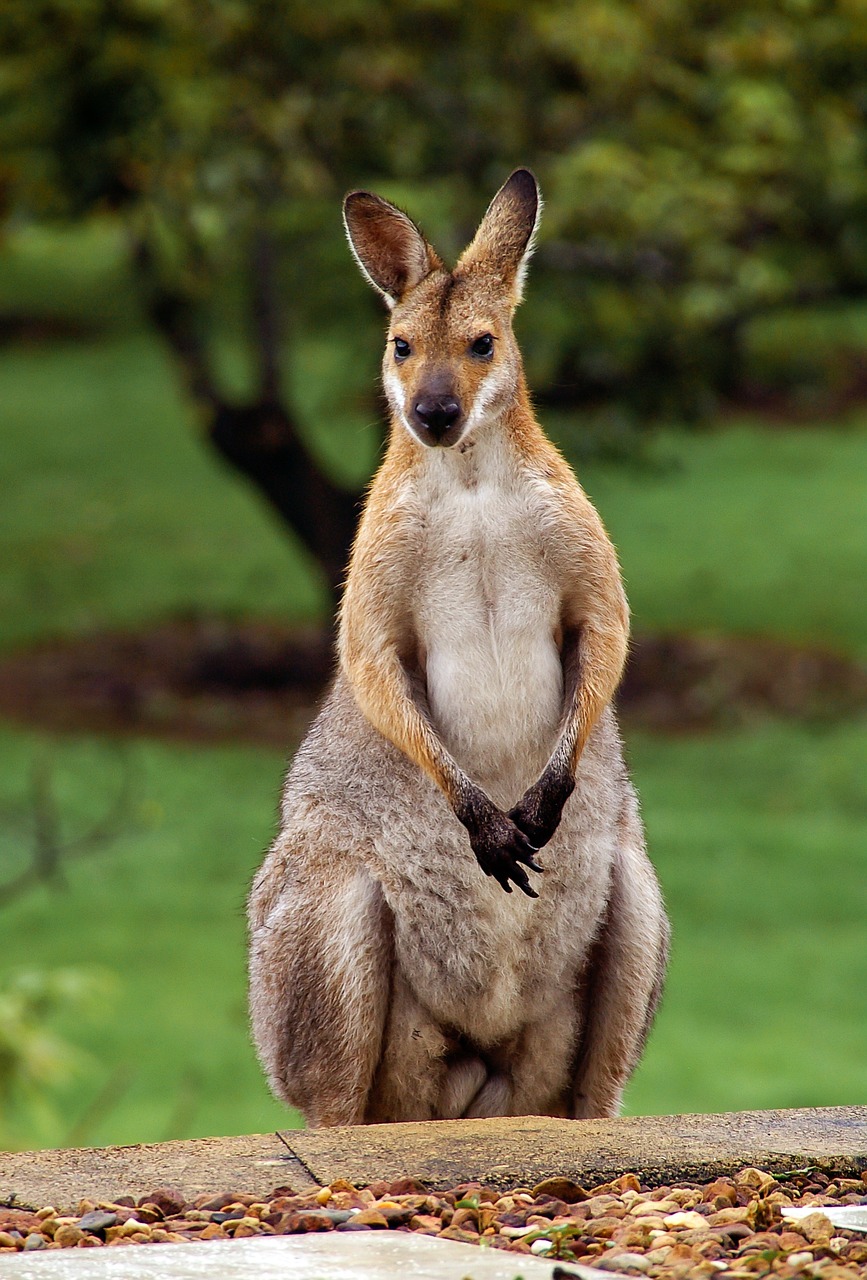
[487, 614]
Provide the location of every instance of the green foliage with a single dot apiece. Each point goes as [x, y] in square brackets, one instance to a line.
[703, 164]
[34, 1058]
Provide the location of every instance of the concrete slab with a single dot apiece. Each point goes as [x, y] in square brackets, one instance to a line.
[502, 1153]
[522, 1151]
[378, 1256]
[256, 1163]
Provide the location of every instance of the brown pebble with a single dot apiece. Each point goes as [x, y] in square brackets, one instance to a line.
[291, 1223]
[426, 1223]
[460, 1234]
[213, 1231]
[561, 1189]
[168, 1199]
[67, 1236]
[370, 1218]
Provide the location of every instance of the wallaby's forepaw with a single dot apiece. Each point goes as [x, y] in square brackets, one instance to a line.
[500, 847]
[501, 852]
[539, 810]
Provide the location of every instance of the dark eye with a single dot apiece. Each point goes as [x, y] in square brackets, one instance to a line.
[402, 349]
[483, 347]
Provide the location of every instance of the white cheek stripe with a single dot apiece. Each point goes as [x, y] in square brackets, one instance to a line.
[495, 384]
[394, 392]
[491, 389]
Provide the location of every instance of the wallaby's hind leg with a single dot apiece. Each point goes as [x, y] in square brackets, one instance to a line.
[621, 985]
[320, 976]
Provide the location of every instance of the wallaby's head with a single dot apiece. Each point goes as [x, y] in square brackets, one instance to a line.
[451, 360]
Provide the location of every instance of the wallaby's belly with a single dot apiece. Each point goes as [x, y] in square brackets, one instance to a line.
[493, 672]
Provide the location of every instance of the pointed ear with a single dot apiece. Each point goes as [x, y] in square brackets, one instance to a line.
[504, 241]
[388, 246]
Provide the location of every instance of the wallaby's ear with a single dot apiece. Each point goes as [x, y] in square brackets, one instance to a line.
[388, 246]
[504, 241]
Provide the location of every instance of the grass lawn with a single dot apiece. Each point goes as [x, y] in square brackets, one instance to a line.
[115, 515]
[758, 838]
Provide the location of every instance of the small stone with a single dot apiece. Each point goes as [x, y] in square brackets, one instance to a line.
[802, 1259]
[67, 1236]
[7, 1241]
[370, 1218]
[213, 1231]
[398, 1215]
[132, 1227]
[561, 1189]
[407, 1187]
[458, 1233]
[756, 1180]
[654, 1208]
[541, 1246]
[687, 1220]
[628, 1182]
[293, 1223]
[426, 1224]
[168, 1199]
[214, 1205]
[149, 1213]
[244, 1229]
[97, 1220]
[723, 1217]
[815, 1227]
[623, 1262]
[36, 1240]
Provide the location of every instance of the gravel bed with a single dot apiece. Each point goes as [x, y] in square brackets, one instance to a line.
[731, 1227]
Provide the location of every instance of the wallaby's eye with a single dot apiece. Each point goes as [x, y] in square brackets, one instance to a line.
[483, 347]
[402, 349]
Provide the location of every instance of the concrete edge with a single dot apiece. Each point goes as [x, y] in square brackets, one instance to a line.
[508, 1152]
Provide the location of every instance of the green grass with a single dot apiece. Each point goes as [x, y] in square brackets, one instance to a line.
[749, 529]
[758, 839]
[160, 907]
[114, 514]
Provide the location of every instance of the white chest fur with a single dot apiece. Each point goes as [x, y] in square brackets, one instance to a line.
[487, 613]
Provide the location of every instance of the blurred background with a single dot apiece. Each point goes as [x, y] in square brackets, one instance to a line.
[189, 413]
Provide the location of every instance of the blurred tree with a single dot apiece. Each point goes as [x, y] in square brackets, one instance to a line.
[702, 162]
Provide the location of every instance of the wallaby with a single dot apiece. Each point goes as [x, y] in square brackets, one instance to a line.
[483, 631]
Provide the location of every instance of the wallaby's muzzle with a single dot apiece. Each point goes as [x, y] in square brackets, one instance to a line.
[438, 419]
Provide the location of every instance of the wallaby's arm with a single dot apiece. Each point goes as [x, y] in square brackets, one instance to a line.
[595, 624]
[379, 656]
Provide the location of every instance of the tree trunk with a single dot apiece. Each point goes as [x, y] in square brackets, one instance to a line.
[259, 438]
[261, 442]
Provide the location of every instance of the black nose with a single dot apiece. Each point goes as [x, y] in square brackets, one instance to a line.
[437, 414]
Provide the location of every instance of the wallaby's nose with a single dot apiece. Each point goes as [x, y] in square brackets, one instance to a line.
[437, 413]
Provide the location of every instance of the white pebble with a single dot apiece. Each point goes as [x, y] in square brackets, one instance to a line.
[541, 1246]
